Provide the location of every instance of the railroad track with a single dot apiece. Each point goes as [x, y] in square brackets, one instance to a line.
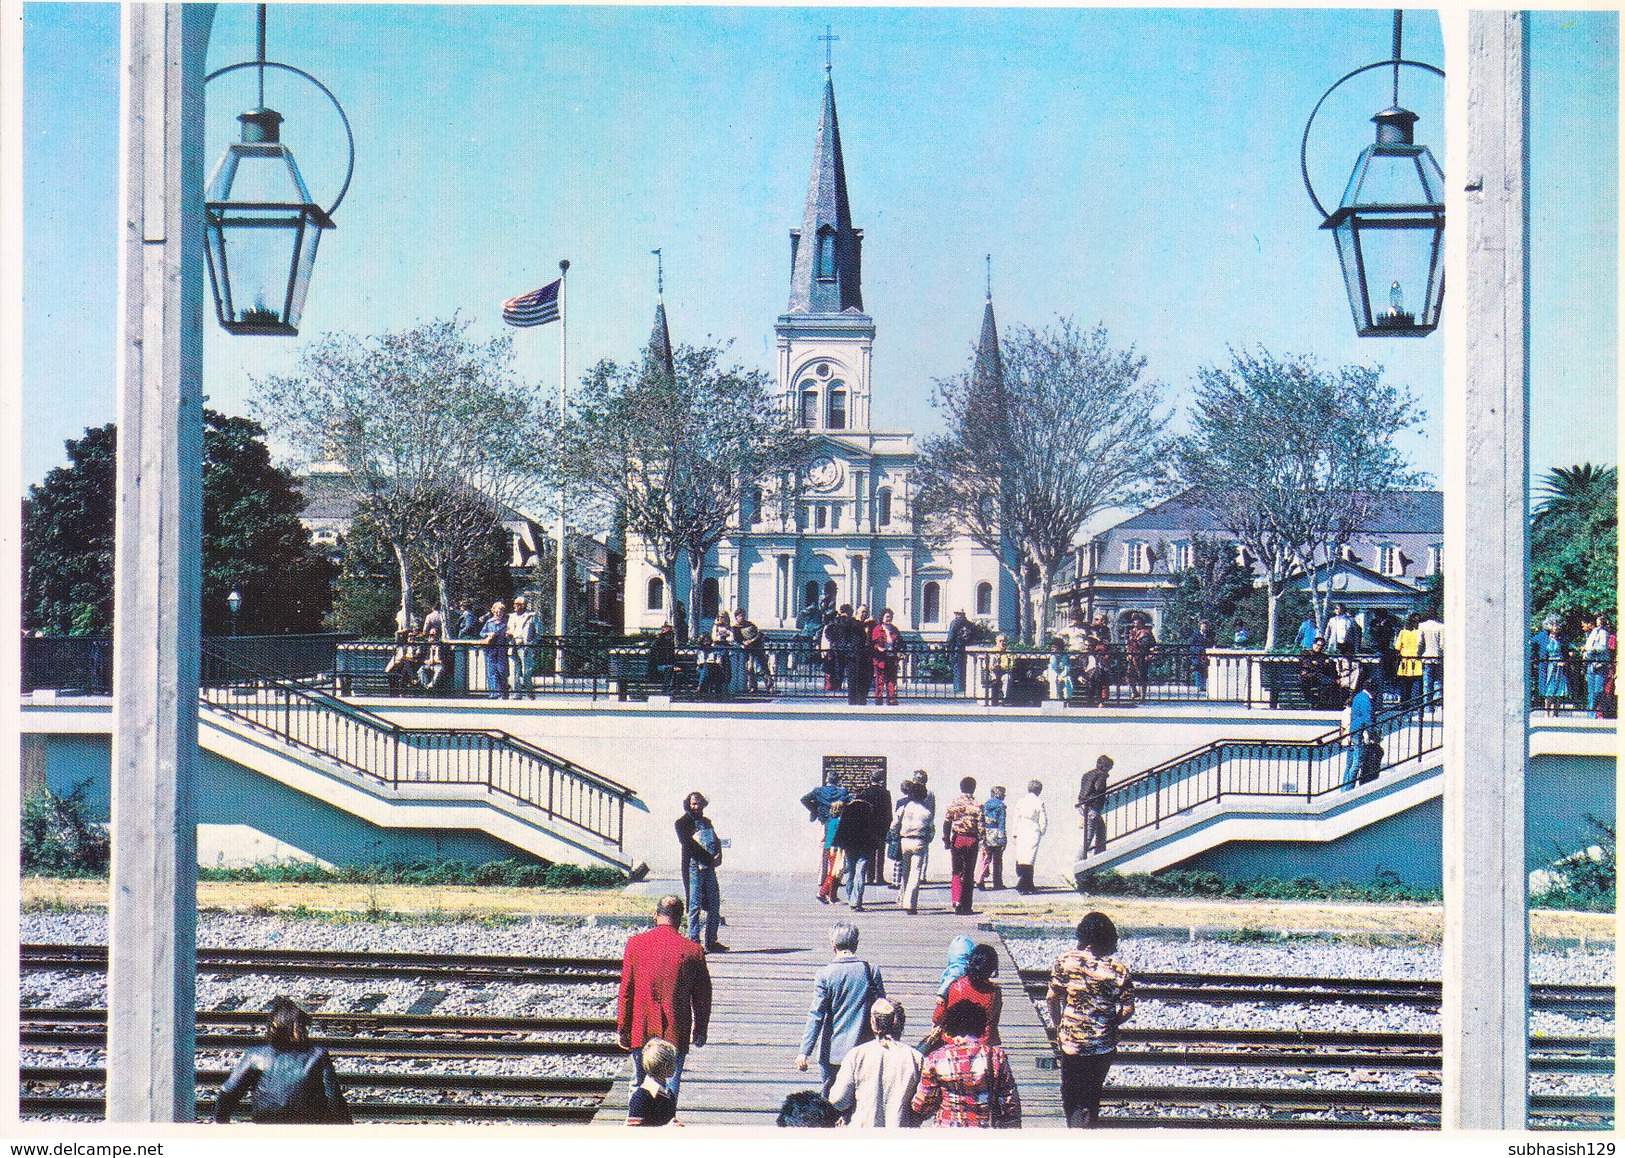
[1168, 987]
[443, 1095]
[469, 969]
[1229, 989]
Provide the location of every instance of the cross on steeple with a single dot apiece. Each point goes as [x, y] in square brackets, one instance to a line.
[990, 277]
[828, 38]
[660, 273]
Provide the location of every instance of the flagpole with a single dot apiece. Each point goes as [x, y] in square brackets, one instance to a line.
[558, 582]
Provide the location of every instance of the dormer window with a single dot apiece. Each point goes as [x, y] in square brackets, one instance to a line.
[826, 254]
[809, 407]
[836, 419]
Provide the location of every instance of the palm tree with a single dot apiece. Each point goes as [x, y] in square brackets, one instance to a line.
[1582, 491]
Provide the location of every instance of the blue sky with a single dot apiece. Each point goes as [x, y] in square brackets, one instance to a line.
[1133, 167]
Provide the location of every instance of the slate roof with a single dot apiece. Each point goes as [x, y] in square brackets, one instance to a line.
[827, 208]
[1403, 512]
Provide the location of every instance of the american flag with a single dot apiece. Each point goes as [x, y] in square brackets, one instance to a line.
[536, 308]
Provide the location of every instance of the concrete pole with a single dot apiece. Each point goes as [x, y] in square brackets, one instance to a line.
[1485, 1011]
[157, 566]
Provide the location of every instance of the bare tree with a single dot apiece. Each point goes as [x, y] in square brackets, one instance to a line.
[421, 419]
[1078, 431]
[1294, 460]
[671, 447]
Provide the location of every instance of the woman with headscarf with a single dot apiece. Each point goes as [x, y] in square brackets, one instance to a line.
[1551, 680]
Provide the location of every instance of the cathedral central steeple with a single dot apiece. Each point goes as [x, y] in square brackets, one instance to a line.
[826, 253]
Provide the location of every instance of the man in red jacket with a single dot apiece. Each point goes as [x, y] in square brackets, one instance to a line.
[665, 991]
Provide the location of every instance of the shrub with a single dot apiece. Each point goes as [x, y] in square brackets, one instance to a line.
[1385, 886]
[60, 838]
[493, 874]
[1584, 880]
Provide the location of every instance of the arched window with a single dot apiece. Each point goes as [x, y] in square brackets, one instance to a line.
[755, 505]
[1182, 555]
[931, 603]
[809, 593]
[829, 589]
[657, 594]
[883, 517]
[984, 599]
[820, 516]
[837, 406]
[826, 254]
[809, 407]
[708, 597]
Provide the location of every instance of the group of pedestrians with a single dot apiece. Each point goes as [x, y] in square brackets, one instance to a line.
[731, 657]
[859, 653]
[1561, 670]
[958, 1076]
[861, 831]
[1399, 659]
[507, 640]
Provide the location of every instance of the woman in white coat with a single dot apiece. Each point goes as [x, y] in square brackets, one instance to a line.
[1028, 822]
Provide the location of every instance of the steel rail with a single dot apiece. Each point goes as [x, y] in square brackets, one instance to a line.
[374, 1047]
[360, 1111]
[335, 1019]
[510, 1084]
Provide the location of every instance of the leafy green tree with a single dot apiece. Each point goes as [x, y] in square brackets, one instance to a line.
[1213, 587]
[1574, 544]
[1294, 460]
[367, 593]
[253, 541]
[68, 540]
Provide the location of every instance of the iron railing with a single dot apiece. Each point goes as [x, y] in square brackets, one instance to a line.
[85, 664]
[313, 721]
[1302, 769]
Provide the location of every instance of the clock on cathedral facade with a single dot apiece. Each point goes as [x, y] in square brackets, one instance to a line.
[841, 526]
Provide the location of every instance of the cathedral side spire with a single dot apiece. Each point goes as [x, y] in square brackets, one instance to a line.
[987, 409]
[657, 358]
[826, 253]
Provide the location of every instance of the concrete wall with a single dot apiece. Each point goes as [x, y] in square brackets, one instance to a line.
[1562, 790]
[755, 761]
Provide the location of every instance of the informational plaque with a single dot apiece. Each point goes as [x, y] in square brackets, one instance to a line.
[855, 772]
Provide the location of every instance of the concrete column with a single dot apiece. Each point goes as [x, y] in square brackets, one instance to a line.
[152, 969]
[1485, 1015]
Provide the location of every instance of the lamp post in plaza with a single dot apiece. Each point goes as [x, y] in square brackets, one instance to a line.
[152, 967]
[234, 602]
[1389, 226]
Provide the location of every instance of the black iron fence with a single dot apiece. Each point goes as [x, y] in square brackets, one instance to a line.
[364, 742]
[1302, 769]
[794, 668]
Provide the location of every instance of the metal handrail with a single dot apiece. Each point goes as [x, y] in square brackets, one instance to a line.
[1302, 769]
[395, 754]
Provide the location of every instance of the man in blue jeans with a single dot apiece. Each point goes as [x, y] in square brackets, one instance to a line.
[1360, 712]
[702, 853]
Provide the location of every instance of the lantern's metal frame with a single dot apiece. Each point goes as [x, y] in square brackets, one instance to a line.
[1395, 63]
[326, 219]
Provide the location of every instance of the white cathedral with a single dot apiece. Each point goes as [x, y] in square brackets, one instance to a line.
[841, 526]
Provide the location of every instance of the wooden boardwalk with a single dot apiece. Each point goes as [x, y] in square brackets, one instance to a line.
[778, 933]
